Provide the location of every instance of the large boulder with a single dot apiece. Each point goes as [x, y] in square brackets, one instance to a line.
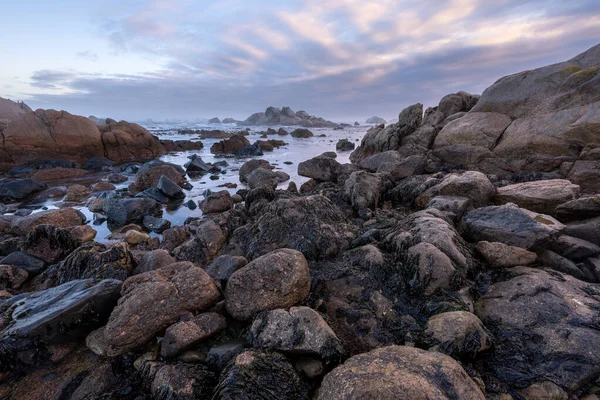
[530, 314]
[125, 141]
[510, 225]
[402, 373]
[185, 334]
[458, 334]
[539, 196]
[372, 163]
[62, 218]
[19, 189]
[261, 177]
[150, 174]
[471, 184]
[312, 225]
[133, 210]
[217, 202]
[230, 146]
[275, 280]
[320, 168]
[153, 300]
[250, 166]
[363, 190]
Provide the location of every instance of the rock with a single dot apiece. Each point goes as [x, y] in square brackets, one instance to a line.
[320, 168]
[83, 233]
[544, 390]
[278, 378]
[372, 163]
[154, 194]
[500, 255]
[510, 225]
[453, 207]
[581, 208]
[102, 187]
[538, 196]
[471, 184]
[311, 224]
[70, 310]
[249, 151]
[62, 218]
[197, 166]
[379, 138]
[302, 133]
[528, 314]
[250, 166]
[282, 132]
[56, 192]
[12, 277]
[124, 211]
[89, 261]
[217, 202]
[77, 193]
[134, 237]
[174, 237]
[310, 368]
[458, 334]
[399, 372]
[150, 175]
[300, 330]
[153, 300]
[153, 260]
[363, 190]
[22, 260]
[260, 195]
[10, 110]
[277, 279]
[230, 146]
[19, 189]
[435, 269]
[57, 173]
[169, 188]
[575, 248]
[558, 263]
[375, 121]
[116, 178]
[281, 176]
[219, 356]
[262, 177]
[586, 230]
[97, 163]
[398, 170]
[214, 120]
[344, 145]
[157, 225]
[222, 267]
[50, 243]
[186, 334]
[585, 173]
[182, 381]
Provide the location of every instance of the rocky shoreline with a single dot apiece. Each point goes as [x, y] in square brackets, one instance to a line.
[456, 257]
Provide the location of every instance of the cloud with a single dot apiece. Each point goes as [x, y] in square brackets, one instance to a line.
[337, 58]
[88, 55]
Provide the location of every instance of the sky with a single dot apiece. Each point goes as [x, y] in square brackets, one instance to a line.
[344, 60]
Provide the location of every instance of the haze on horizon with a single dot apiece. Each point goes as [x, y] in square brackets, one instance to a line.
[344, 60]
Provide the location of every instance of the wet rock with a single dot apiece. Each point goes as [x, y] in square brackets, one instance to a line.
[262, 177]
[249, 151]
[312, 225]
[63, 218]
[174, 237]
[22, 260]
[102, 187]
[150, 174]
[399, 372]
[202, 248]
[12, 277]
[452, 207]
[219, 356]
[344, 145]
[409, 166]
[77, 193]
[56, 192]
[581, 208]
[222, 267]
[252, 374]
[52, 174]
[458, 334]
[320, 168]
[544, 390]
[70, 310]
[169, 188]
[50, 243]
[539, 196]
[153, 300]
[91, 260]
[83, 233]
[281, 176]
[471, 184]
[19, 189]
[133, 237]
[186, 334]
[124, 211]
[529, 315]
[302, 133]
[197, 166]
[300, 330]
[262, 194]
[363, 190]
[153, 260]
[250, 166]
[97, 163]
[277, 279]
[586, 230]
[116, 178]
[500, 255]
[158, 225]
[510, 225]
[230, 146]
[374, 162]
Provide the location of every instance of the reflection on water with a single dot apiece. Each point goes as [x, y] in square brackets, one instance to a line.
[296, 151]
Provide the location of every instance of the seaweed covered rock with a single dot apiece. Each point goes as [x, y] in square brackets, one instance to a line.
[312, 225]
[125, 211]
[202, 248]
[153, 300]
[510, 225]
[399, 372]
[546, 328]
[262, 177]
[275, 280]
[459, 334]
[363, 190]
[301, 330]
[91, 260]
[50, 243]
[180, 381]
[500, 255]
[252, 374]
[70, 310]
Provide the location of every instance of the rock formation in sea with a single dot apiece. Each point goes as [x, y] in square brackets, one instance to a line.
[456, 257]
[286, 116]
[375, 121]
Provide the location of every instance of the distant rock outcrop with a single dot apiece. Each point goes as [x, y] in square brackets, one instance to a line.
[286, 116]
[375, 121]
[214, 120]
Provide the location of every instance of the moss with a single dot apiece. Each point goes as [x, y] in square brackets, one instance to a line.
[571, 69]
[588, 72]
